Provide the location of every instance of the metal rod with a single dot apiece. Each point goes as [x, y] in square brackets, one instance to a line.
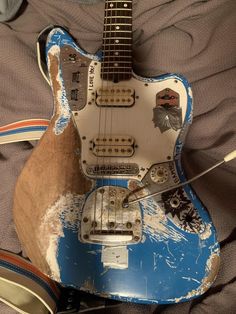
[126, 201]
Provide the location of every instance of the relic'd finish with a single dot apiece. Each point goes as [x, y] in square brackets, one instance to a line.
[114, 132]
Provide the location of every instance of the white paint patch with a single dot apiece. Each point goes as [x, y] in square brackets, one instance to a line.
[64, 213]
[190, 93]
[61, 100]
[53, 32]
[155, 257]
[115, 257]
[155, 223]
[206, 233]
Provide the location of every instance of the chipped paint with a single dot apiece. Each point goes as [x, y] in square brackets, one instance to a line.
[60, 99]
[63, 214]
[178, 248]
[155, 257]
[206, 233]
[212, 267]
[155, 223]
[193, 279]
[88, 285]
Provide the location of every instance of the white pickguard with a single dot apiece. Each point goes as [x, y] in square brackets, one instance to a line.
[136, 121]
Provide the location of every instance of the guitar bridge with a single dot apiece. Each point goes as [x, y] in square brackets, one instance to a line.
[105, 221]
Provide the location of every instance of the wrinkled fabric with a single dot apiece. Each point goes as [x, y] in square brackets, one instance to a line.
[191, 37]
[8, 9]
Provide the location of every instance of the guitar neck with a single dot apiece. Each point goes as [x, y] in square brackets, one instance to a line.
[117, 41]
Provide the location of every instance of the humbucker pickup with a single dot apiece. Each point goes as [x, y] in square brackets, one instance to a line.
[113, 151]
[118, 140]
[113, 146]
[115, 96]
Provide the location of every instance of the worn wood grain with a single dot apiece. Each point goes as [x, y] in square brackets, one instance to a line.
[52, 170]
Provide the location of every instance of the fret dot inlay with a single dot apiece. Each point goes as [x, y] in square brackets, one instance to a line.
[125, 5]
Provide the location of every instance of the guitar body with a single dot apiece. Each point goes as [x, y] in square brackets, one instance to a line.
[125, 136]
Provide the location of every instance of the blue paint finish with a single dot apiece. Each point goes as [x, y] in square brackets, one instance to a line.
[158, 271]
[140, 280]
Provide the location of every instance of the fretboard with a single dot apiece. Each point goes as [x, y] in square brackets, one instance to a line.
[117, 41]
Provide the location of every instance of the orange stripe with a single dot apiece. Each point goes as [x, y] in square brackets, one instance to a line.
[19, 261]
[23, 124]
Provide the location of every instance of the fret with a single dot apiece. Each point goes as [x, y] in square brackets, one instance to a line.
[118, 12]
[128, 45]
[115, 65]
[118, 72]
[118, 9]
[119, 50]
[111, 1]
[116, 38]
[120, 24]
[117, 32]
[118, 17]
[118, 28]
[116, 58]
[117, 61]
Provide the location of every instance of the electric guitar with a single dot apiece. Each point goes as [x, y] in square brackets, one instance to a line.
[114, 141]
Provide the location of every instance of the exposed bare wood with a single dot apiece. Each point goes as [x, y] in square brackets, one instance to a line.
[52, 170]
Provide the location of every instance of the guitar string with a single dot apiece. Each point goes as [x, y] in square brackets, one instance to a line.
[124, 68]
[104, 110]
[114, 58]
[98, 137]
[113, 78]
[111, 111]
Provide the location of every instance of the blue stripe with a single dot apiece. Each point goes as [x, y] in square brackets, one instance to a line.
[32, 276]
[23, 130]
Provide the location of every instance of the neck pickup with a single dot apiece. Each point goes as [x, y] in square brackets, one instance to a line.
[117, 41]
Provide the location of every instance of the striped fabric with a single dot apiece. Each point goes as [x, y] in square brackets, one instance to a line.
[24, 287]
[24, 130]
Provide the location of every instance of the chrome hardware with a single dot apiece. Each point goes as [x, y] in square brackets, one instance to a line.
[104, 220]
[159, 174]
[122, 169]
